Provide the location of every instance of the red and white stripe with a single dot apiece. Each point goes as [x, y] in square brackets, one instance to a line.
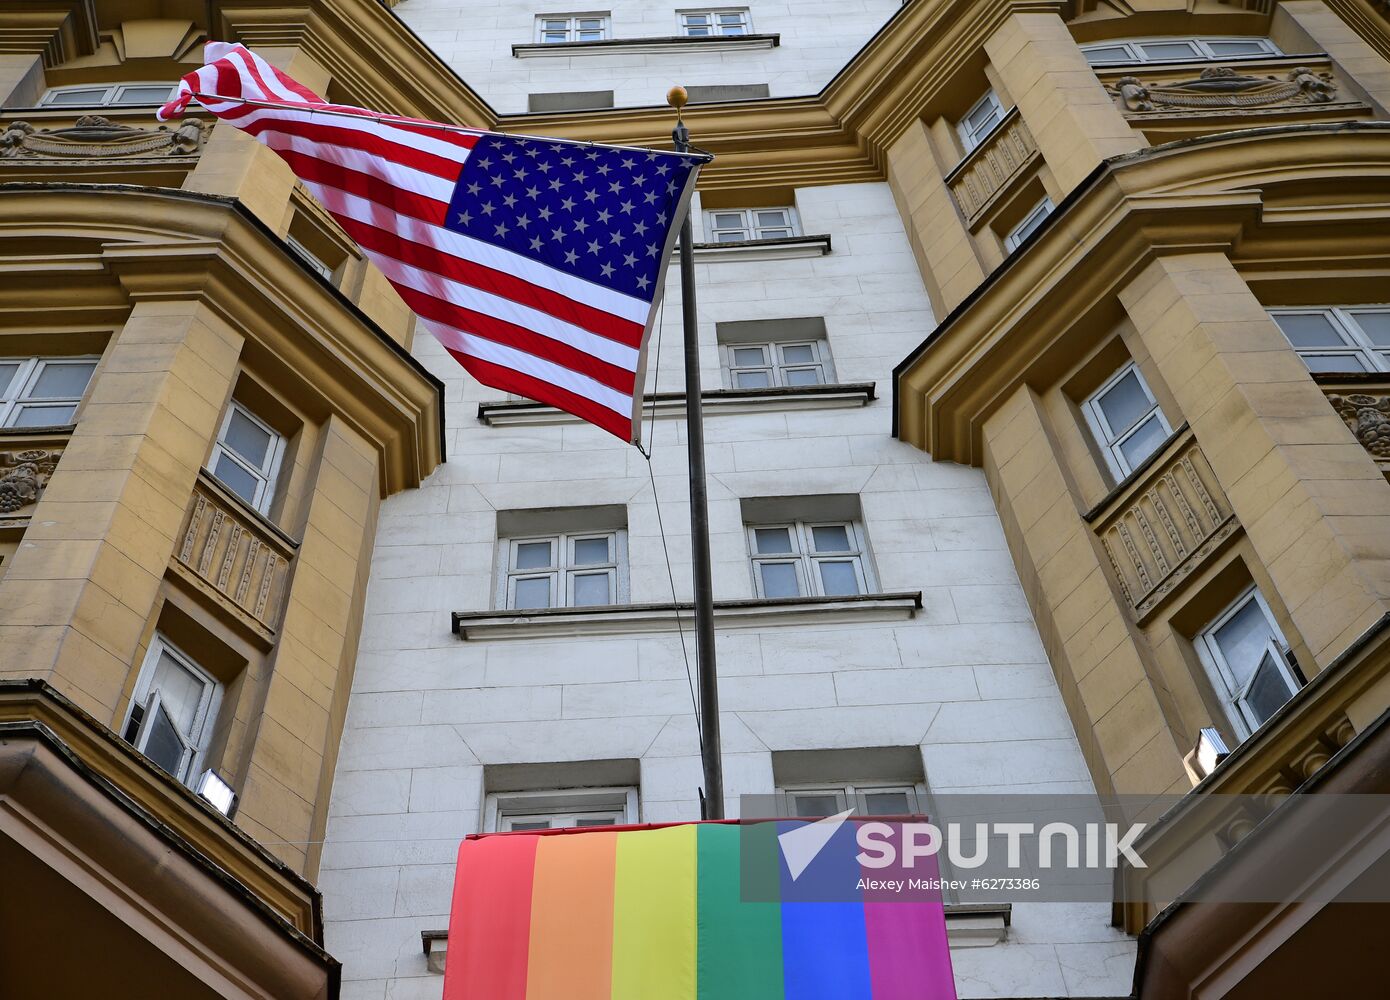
[512, 322]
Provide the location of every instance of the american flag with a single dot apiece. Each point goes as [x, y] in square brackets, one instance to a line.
[536, 263]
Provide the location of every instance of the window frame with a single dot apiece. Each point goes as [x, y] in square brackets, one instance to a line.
[806, 558]
[108, 97]
[266, 477]
[1202, 43]
[971, 139]
[206, 715]
[1037, 215]
[1221, 672]
[1109, 443]
[713, 14]
[315, 262]
[1375, 358]
[572, 29]
[14, 398]
[775, 364]
[749, 224]
[501, 809]
[563, 569]
[848, 791]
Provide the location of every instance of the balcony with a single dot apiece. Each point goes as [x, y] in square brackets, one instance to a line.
[235, 556]
[1163, 522]
[993, 168]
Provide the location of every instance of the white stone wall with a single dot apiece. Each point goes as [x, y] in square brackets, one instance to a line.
[476, 39]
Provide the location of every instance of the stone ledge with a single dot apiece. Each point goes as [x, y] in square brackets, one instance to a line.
[644, 46]
[783, 248]
[556, 623]
[842, 395]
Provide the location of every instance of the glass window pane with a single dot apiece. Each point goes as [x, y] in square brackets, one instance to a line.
[1124, 403]
[779, 580]
[737, 236]
[1309, 330]
[983, 118]
[533, 555]
[697, 32]
[1269, 691]
[802, 376]
[775, 234]
[798, 354]
[815, 806]
[248, 439]
[886, 804]
[1143, 442]
[1375, 325]
[61, 381]
[1243, 640]
[771, 541]
[778, 218]
[1333, 362]
[590, 551]
[556, 24]
[590, 35]
[731, 29]
[752, 380]
[162, 744]
[1109, 53]
[838, 579]
[529, 824]
[1170, 50]
[154, 94]
[533, 592]
[830, 538]
[180, 692]
[591, 590]
[731, 18]
[83, 95]
[697, 19]
[8, 371]
[590, 22]
[596, 821]
[43, 416]
[1237, 48]
[749, 357]
[552, 37]
[728, 220]
[233, 476]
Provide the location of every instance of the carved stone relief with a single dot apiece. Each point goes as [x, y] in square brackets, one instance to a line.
[23, 475]
[1222, 87]
[1369, 419]
[95, 137]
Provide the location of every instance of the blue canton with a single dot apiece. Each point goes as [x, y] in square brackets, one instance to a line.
[593, 211]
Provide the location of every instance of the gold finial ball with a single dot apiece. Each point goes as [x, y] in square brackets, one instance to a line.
[676, 97]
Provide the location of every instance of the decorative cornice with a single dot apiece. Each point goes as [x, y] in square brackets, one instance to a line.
[94, 137]
[58, 30]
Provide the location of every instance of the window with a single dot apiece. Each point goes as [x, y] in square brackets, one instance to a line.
[980, 121]
[572, 570]
[801, 558]
[728, 23]
[1249, 660]
[736, 225]
[246, 458]
[1339, 339]
[553, 29]
[172, 714]
[42, 392]
[1126, 420]
[1030, 225]
[554, 809]
[309, 258]
[110, 94]
[762, 366]
[814, 802]
[1169, 49]
[570, 100]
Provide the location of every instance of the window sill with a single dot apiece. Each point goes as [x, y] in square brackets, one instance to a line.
[846, 395]
[784, 248]
[624, 619]
[642, 46]
[968, 925]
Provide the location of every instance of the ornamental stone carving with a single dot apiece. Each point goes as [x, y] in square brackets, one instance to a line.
[23, 475]
[1222, 87]
[1369, 419]
[95, 137]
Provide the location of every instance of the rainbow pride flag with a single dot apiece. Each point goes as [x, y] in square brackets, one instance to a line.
[657, 913]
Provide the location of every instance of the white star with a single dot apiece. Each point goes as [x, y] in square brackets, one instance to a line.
[520, 173]
[557, 235]
[535, 242]
[509, 201]
[543, 167]
[509, 156]
[629, 163]
[652, 249]
[604, 216]
[484, 163]
[591, 154]
[546, 213]
[642, 283]
[641, 228]
[567, 161]
[488, 209]
[579, 176]
[557, 147]
[591, 196]
[616, 236]
[663, 168]
[615, 187]
[607, 270]
[533, 153]
[523, 221]
[630, 259]
[661, 219]
[639, 179]
[626, 207]
[603, 168]
[593, 246]
[501, 229]
[497, 181]
[556, 184]
[580, 225]
[533, 192]
[571, 256]
[474, 188]
[464, 218]
[649, 197]
[567, 204]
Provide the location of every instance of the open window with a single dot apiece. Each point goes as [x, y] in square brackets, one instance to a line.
[1249, 660]
[172, 715]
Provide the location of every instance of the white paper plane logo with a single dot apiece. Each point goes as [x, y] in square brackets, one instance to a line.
[801, 845]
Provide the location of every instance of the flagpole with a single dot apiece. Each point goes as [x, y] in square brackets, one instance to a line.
[713, 803]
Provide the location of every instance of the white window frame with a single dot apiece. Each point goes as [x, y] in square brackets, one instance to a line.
[851, 795]
[110, 97]
[970, 138]
[562, 570]
[1223, 677]
[560, 807]
[572, 29]
[268, 474]
[749, 227]
[1110, 441]
[745, 23]
[14, 397]
[1030, 224]
[205, 716]
[1135, 53]
[775, 365]
[806, 559]
[312, 259]
[1373, 357]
